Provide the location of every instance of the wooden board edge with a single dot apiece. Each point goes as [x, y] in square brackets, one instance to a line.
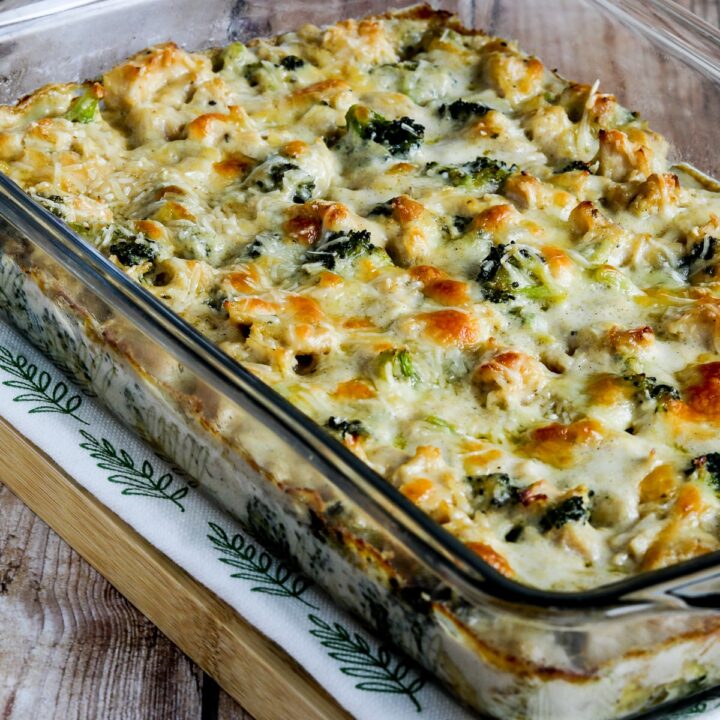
[247, 665]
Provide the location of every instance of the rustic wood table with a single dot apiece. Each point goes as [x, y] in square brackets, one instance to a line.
[75, 647]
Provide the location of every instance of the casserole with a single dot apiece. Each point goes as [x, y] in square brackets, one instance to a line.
[442, 605]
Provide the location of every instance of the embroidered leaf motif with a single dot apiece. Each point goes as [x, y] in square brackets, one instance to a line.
[271, 577]
[137, 480]
[46, 394]
[379, 670]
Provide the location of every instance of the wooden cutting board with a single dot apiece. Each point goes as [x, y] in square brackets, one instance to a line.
[251, 668]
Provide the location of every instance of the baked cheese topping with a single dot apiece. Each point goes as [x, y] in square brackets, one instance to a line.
[487, 281]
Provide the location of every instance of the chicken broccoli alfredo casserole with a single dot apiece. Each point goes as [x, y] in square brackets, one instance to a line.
[485, 280]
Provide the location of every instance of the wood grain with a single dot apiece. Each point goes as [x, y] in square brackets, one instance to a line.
[709, 10]
[72, 646]
[253, 669]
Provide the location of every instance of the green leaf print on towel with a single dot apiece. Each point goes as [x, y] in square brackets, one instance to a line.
[138, 479]
[270, 576]
[379, 671]
[40, 389]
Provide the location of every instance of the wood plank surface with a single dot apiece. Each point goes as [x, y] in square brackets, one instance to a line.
[242, 660]
[72, 647]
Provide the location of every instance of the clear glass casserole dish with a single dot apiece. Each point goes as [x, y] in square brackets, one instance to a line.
[505, 649]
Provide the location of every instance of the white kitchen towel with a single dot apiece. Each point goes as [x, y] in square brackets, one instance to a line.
[156, 499]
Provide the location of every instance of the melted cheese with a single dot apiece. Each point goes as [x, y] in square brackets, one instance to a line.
[504, 301]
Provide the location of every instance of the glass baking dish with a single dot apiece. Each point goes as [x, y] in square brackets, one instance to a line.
[505, 649]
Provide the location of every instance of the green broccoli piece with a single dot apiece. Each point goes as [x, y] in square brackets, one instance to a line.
[701, 257]
[233, 55]
[404, 362]
[463, 110]
[440, 422]
[514, 533]
[400, 137]
[483, 174]
[462, 223]
[401, 364]
[260, 243]
[488, 276]
[132, 252]
[272, 176]
[51, 203]
[83, 108]
[216, 300]
[382, 210]
[495, 490]
[255, 249]
[341, 246]
[650, 389]
[304, 191]
[292, 62]
[353, 428]
[264, 75]
[54, 198]
[572, 509]
[706, 468]
[511, 270]
[611, 277]
[576, 165]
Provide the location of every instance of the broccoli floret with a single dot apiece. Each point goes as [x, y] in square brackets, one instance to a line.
[304, 191]
[492, 263]
[611, 277]
[270, 176]
[341, 246]
[83, 108]
[463, 110]
[264, 75]
[401, 364]
[440, 422]
[132, 252]
[650, 389]
[400, 137]
[495, 490]
[260, 243]
[483, 174]
[277, 173]
[353, 428]
[216, 300]
[254, 249]
[707, 469]
[576, 165]
[273, 178]
[514, 533]
[701, 254]
[494, 284]
[462, 223]
[403, 359]
[232, 55]
[511, 270]
[51, 202]
[383, 210]
[572, 509]
[292, 62]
